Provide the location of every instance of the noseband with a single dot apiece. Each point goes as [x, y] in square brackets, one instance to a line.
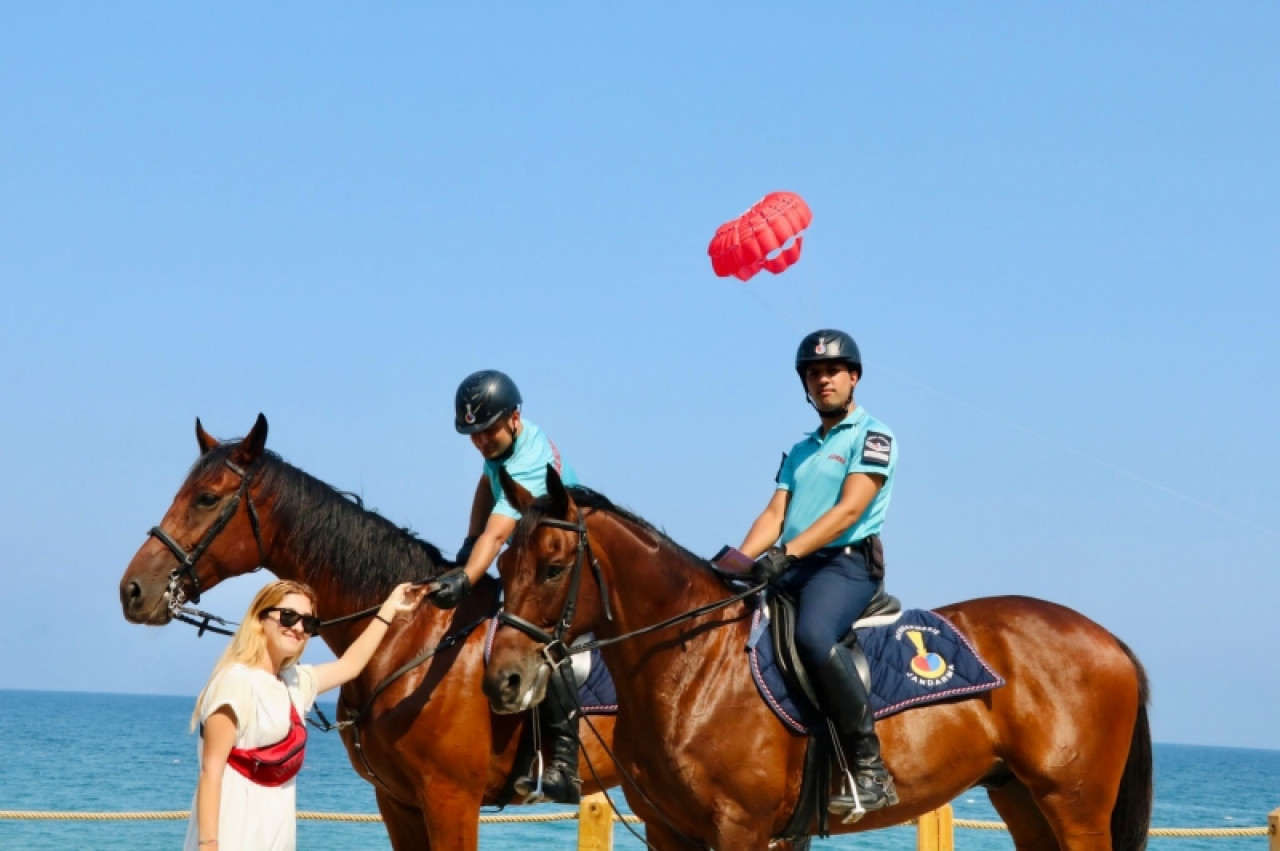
[186, 569]
[556, 650]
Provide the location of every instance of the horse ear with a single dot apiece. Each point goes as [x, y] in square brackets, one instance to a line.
[558, 494]
[250, 449]
[206, 440]
[519, 498]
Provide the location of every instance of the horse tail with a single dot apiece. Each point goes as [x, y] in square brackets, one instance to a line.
[1131, 816]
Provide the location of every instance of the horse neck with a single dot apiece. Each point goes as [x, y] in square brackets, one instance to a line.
[346, 562]
[647, 587]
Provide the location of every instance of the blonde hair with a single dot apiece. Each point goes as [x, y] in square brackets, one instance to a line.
[249, 644]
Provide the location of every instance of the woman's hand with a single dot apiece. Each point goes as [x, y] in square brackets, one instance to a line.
[404, 599]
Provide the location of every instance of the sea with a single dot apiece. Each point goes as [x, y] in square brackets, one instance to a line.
[66, 751]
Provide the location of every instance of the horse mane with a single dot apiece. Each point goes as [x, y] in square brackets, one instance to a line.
[587, 498]
[330, 532]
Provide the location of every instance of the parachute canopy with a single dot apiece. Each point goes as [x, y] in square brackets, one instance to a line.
[768, 236]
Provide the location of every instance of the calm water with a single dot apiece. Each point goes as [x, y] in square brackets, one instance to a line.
[66, 751]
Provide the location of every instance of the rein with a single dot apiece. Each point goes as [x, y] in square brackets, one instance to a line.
[555, 648]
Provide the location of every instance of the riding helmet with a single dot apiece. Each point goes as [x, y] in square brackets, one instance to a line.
[483, 398]
[828, 345]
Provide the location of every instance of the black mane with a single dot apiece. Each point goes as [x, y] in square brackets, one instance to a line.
[587, 498]
[332, 534]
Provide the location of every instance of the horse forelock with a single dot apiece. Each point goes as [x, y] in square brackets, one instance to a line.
[331, 534]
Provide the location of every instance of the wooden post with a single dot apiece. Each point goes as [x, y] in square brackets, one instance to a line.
[595, 824]
[1273, 830]
[934, 830]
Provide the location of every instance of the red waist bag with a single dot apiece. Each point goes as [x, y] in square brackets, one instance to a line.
[275, 764]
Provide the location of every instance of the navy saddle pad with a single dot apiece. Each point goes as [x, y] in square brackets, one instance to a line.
[919, 658]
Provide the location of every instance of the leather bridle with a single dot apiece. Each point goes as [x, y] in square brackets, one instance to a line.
[185, 572]
[556, 650]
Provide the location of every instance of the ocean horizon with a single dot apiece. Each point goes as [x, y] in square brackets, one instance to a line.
[69, 751]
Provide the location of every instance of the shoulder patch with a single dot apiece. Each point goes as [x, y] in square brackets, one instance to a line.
[777, 477]
[876, 449]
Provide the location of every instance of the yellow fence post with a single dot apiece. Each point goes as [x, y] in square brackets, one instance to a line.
[1273, 830]
[934, 830]
[595, 824]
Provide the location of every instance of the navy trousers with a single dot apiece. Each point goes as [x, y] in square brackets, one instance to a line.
[831, 588]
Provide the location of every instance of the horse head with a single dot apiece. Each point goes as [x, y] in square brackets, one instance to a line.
[210, 533]
[550, 597]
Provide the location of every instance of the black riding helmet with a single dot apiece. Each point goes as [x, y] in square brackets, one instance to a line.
[828, 345]
[483, 398]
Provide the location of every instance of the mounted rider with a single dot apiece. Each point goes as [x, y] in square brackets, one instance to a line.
[487, 409]
[818, 540]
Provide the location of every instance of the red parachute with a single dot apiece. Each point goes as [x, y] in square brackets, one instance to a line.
[768, 236]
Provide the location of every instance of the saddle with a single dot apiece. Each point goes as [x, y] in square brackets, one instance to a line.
[883, 608]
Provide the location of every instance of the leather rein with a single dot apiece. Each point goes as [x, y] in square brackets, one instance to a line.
[555, 649]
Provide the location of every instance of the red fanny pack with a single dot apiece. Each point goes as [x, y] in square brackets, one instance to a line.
[275, 764]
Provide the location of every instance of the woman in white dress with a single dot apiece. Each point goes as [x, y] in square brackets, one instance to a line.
[249, 715]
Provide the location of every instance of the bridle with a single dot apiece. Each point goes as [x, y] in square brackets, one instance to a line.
[556, 650]
[185, 572]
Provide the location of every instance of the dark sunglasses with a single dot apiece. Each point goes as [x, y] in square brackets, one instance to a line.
[289, 619]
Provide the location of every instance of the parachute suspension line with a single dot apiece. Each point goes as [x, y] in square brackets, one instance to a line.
[1079, 453]
[793, 323]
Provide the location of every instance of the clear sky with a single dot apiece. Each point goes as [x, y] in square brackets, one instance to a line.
[1053, 231]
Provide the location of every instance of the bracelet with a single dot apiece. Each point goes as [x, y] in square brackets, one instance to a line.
[381, 618]
[207, 842]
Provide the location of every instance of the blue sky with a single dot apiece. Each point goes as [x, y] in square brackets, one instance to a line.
[1053, 231]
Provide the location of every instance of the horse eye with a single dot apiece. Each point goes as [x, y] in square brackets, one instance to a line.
[207, 500]
[554, 570]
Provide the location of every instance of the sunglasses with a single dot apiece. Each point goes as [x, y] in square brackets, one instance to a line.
[289, 619]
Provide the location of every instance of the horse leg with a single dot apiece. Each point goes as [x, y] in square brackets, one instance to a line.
[452, 816]
[1027, 825]
[405, 826]
[662, 838]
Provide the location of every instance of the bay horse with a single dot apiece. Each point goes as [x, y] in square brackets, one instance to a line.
[1063, 748]
[435, 750]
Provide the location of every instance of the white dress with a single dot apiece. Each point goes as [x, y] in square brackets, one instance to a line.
[254, 817]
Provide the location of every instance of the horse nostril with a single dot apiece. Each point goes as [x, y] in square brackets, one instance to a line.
[135, 591]
[513, 683]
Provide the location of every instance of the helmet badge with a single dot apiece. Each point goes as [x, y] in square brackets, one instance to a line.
[821, 348]
[470, 417]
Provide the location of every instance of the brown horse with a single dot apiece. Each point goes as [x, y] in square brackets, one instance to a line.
[435, 750]
[1063, 748]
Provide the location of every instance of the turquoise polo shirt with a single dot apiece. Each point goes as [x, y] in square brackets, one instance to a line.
[527, 464]
[815, 469]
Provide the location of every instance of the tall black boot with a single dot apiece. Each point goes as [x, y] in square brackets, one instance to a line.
[847, 704]
[560, 781]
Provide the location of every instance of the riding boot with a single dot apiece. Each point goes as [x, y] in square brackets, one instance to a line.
[560, 781]
[847, 704]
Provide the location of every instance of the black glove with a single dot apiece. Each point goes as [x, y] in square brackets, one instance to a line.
[464, 551]
[450, 588]
[771, 564]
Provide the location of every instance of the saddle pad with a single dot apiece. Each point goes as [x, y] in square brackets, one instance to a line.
[596, 692]
[919, 658]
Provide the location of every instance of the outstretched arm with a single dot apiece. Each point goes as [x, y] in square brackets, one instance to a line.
[404, 599]
[496, 531]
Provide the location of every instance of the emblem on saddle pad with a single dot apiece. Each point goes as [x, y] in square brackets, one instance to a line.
[926, 668]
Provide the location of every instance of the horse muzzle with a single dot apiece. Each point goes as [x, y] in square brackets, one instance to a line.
[516, 686]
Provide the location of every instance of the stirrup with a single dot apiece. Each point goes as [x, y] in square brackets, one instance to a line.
[875, 792]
